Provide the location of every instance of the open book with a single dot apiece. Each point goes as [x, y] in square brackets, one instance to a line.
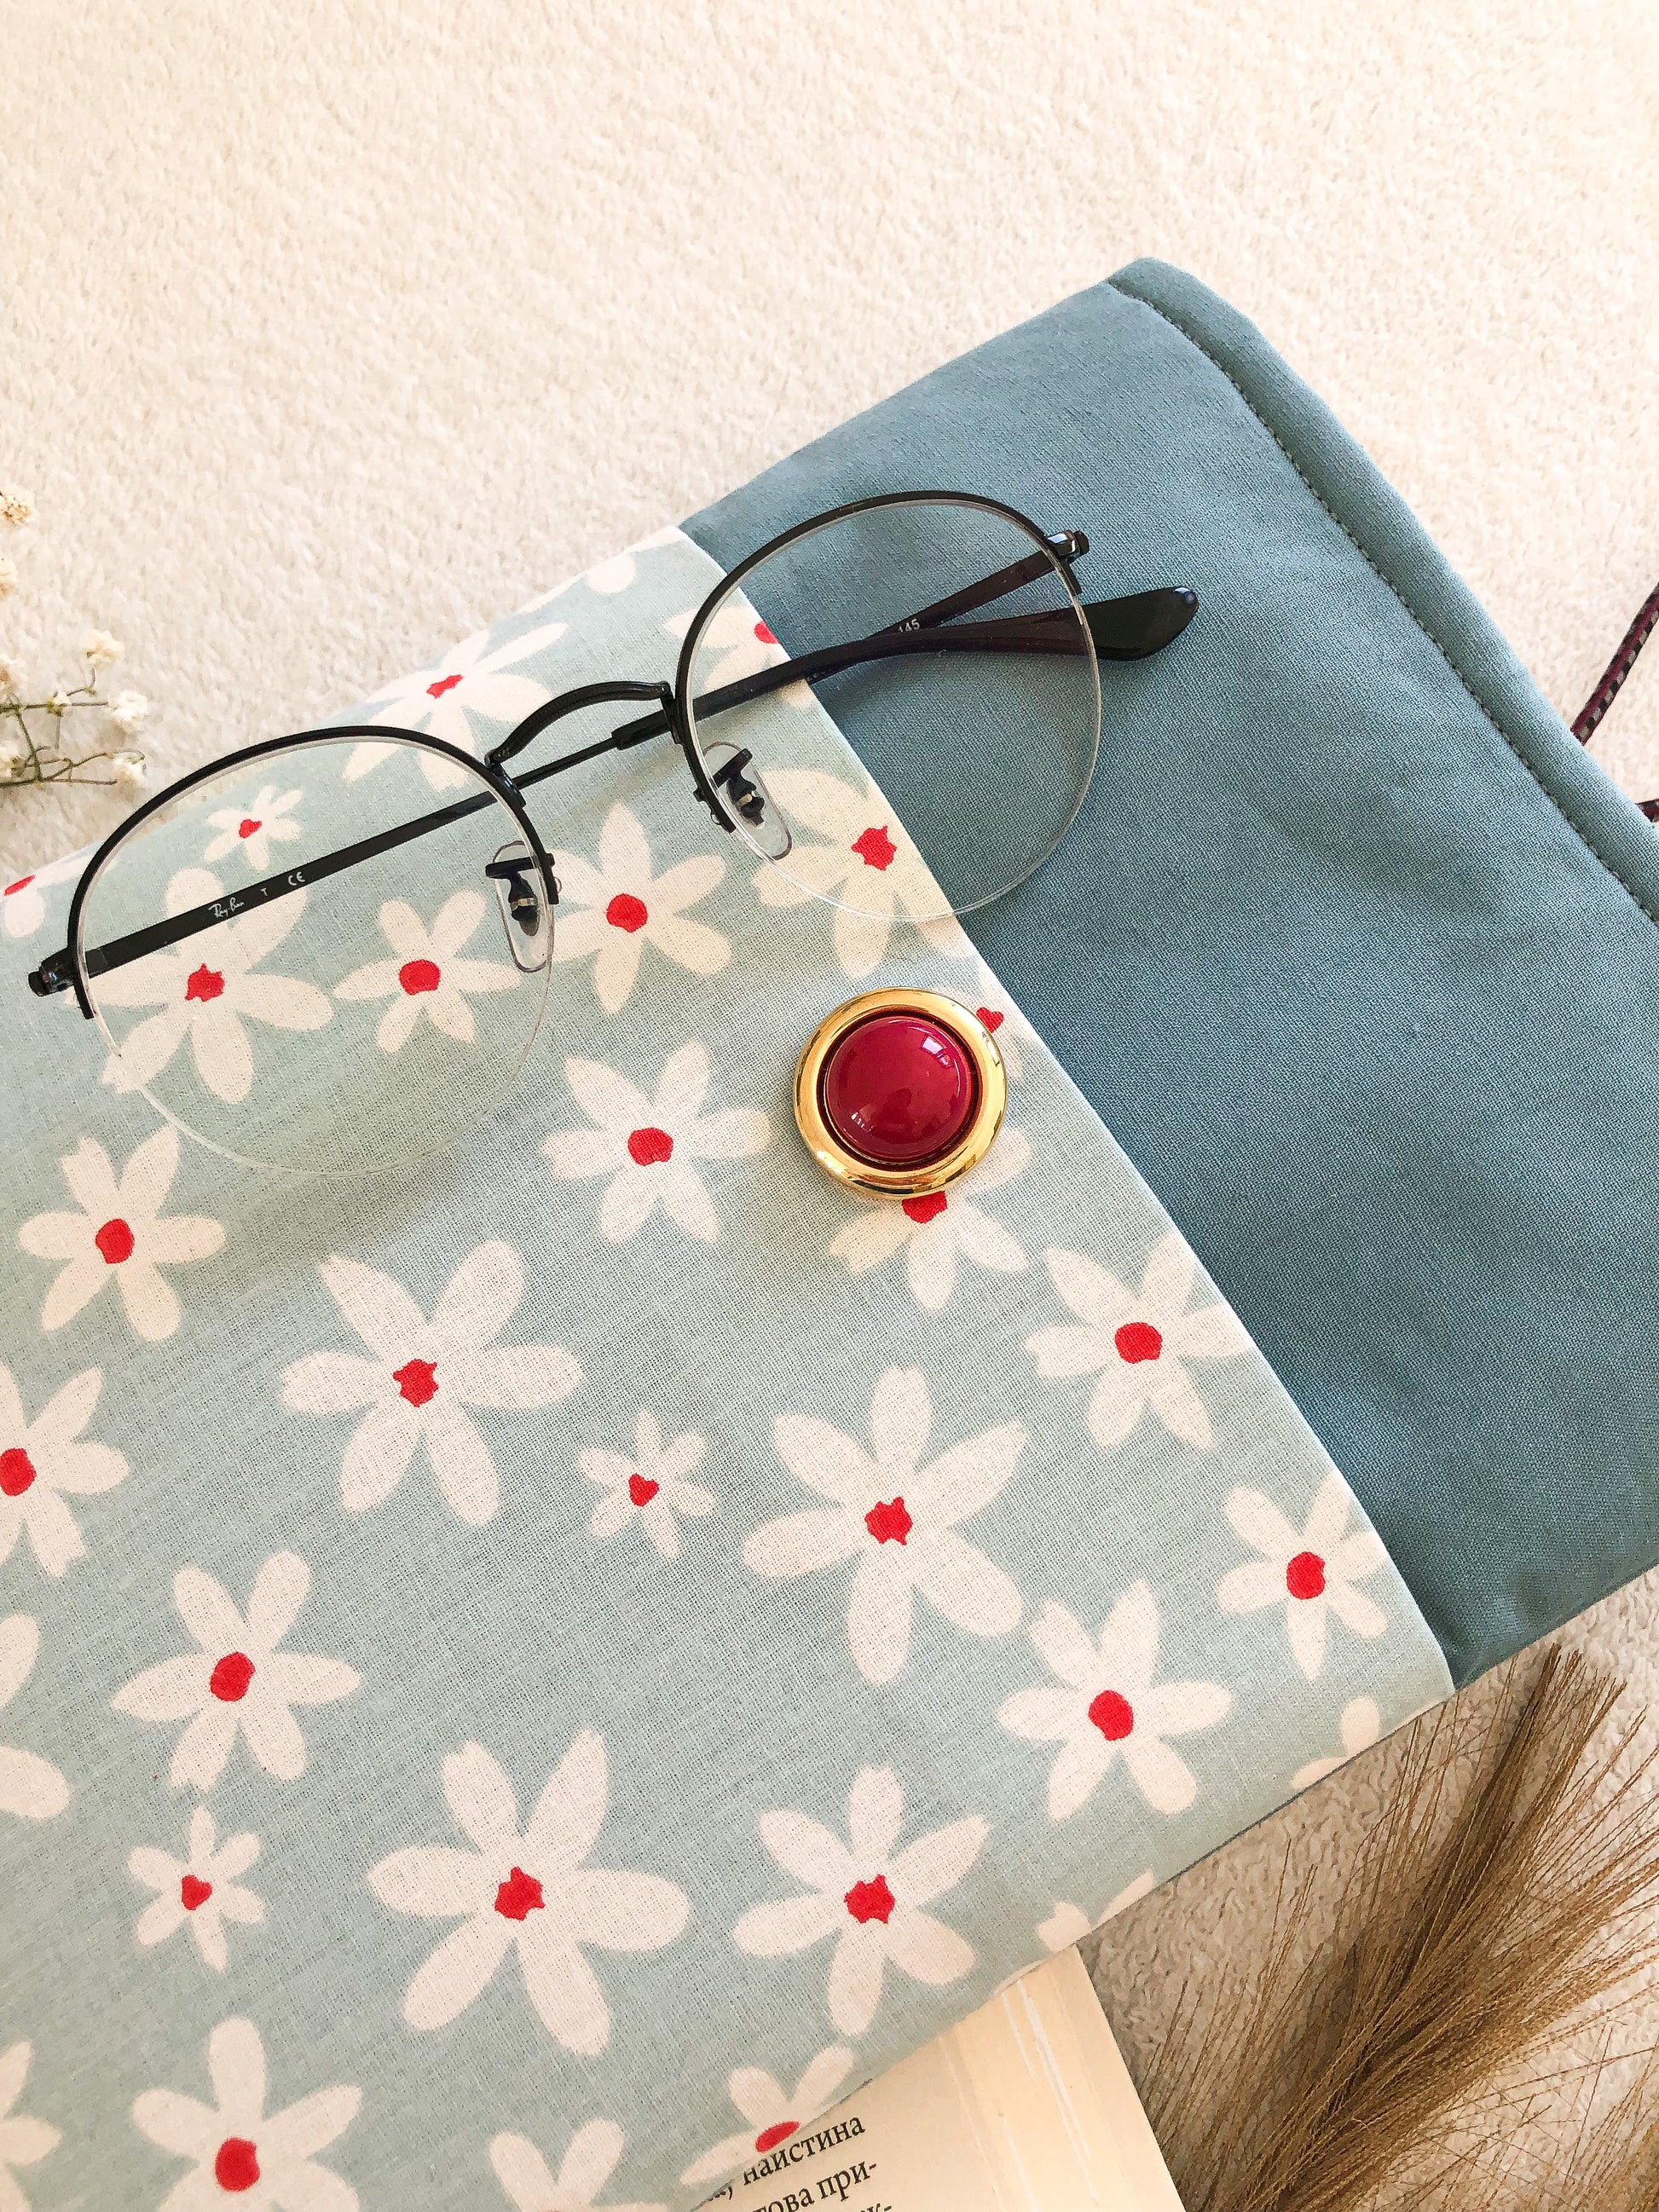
[1025, 2106]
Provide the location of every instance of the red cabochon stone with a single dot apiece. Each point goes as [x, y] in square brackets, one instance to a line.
[899, 1090]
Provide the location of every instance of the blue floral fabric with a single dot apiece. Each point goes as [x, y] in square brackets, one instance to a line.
[494, 1652]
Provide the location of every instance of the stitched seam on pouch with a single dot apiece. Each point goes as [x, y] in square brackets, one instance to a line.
[1475, 699]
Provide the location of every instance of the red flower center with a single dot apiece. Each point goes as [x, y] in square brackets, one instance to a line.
[764, 634]
[22, 884]
[875, 847]
[444, 683]
[236, 2167]
[519, 1896]
[888, 1522]
[249, 826]
[993, 1017]
[1304, 1576]
[1137, 1341]
[193, 1892]
[1114, 1717]
[229, 1679]
[871, 1900]
[418, 975]
[649, 1148]
[16, 1471]
[627, 912]
[926, 1208]
[769, 2138]
[204, 983]
[115, 1240]
[641, 1489]
[417, 1380]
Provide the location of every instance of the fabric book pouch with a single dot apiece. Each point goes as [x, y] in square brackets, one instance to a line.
[607, 1607]
[1352, 947]
[494, 1652]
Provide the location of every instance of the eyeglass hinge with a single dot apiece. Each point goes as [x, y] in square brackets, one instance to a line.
[1067, 544]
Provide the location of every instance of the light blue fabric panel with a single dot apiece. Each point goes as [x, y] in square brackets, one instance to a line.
[488, 1650]
[1352, 946]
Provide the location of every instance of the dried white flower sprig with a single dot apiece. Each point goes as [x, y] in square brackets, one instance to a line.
[32, 753]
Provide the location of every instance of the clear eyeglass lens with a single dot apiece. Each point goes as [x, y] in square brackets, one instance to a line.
[970, 694]
[314, 1017]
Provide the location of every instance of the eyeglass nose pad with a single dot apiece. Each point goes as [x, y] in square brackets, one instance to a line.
[732, 772]
[526, 911]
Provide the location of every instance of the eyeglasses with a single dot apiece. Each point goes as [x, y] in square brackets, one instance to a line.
[979, 732]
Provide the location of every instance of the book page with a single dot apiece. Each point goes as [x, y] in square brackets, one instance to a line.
[1025, 2106]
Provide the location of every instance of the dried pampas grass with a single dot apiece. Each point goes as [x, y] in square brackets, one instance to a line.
[1614, 2167]
[1471, 1926]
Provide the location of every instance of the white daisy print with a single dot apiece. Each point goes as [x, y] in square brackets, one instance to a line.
[650, 1488]
[590, 2158]
[442, 701]
[771, 2113]
[610, 577]
[610, 913]
[23, 2141]
[236, 1681]
[31, 1787]
[647, 1146]
[426, 976]
[1311, 1572]
[267, 2163]
[201, 1891]
[22, 908]
[868, 1895]
[120, 1236]
[533, 1893]
[1007, 1023]
[47, 1459]
[1108, 1705]
[1069, 1923]
[251, 830]
[206, 990]
[900, 1522]
[1360, 1727]
[419, 1376]
[868, 860]
[1138, 1342]
[937, 1229]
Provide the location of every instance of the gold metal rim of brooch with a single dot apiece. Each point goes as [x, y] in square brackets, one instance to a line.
[975, 1141]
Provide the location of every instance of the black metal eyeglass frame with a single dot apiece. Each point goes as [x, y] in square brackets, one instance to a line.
[1131, 628]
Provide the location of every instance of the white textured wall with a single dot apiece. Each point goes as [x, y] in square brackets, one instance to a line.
[329, 330]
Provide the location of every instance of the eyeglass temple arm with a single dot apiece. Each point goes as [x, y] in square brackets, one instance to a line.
[1064, 545]
[56, 973]
[1130, 628]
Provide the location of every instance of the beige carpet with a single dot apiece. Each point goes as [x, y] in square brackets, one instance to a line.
[330, 332]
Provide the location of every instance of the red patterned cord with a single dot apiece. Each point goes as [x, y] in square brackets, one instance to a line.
[1589, 717]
